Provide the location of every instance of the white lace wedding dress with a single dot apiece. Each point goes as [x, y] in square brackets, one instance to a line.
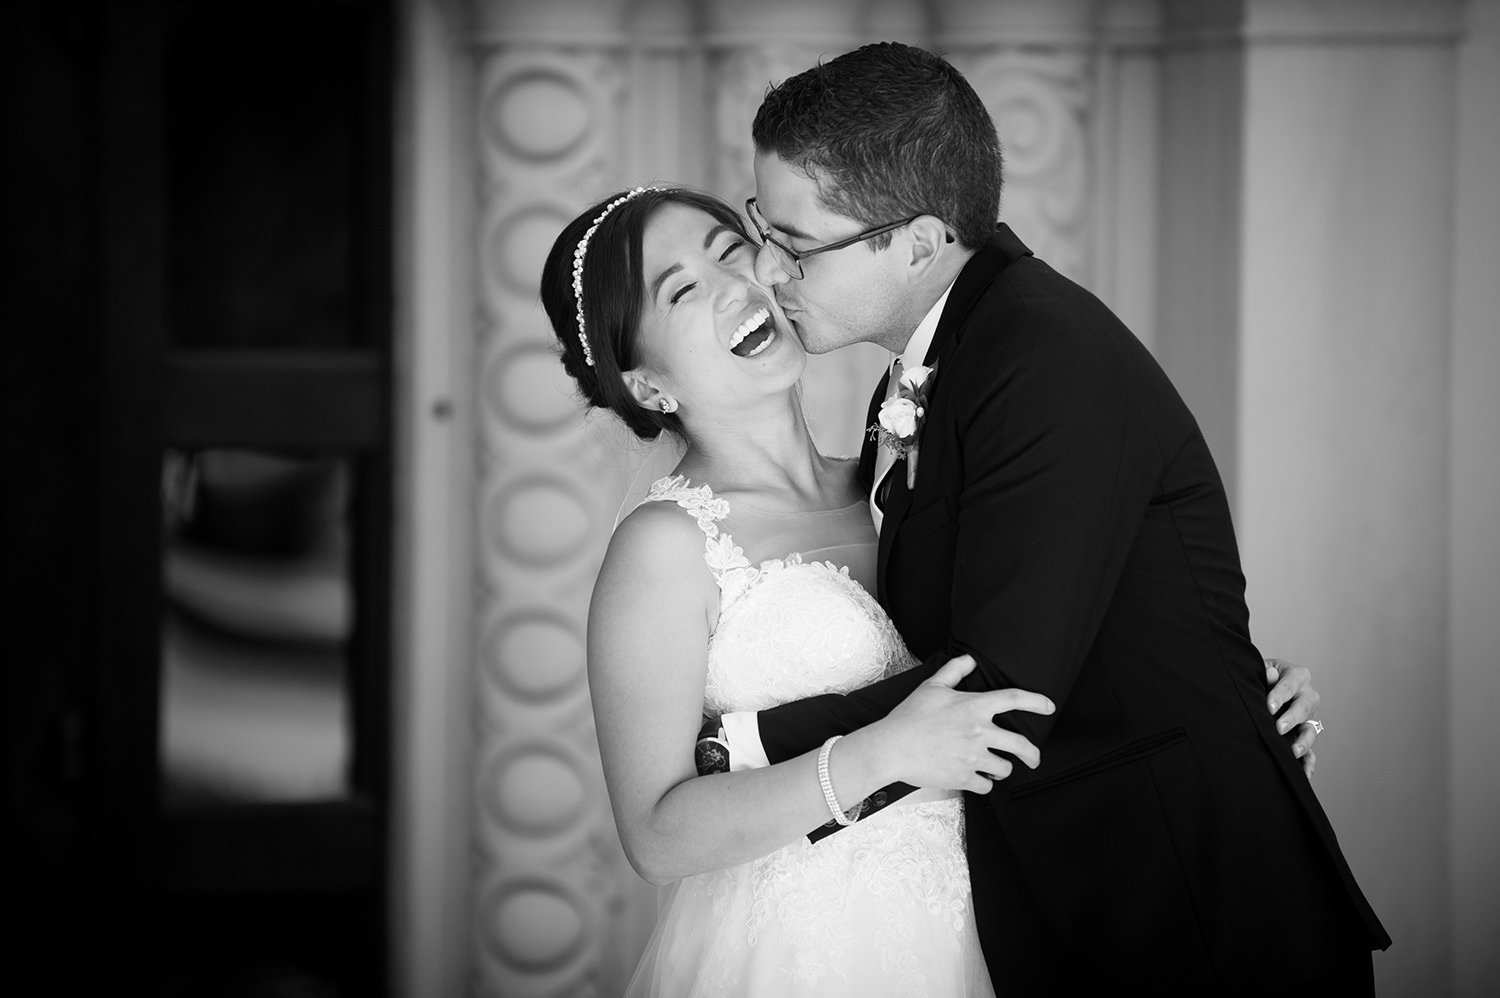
[879, 908]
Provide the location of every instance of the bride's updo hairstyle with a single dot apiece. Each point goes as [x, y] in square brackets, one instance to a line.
[614, 295]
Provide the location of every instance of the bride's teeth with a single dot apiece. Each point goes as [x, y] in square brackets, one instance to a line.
[769, 338]
[749, 326]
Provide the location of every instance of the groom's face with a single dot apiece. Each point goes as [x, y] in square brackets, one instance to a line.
[844, 296]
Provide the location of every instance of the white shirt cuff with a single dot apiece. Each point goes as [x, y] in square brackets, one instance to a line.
[742, 732]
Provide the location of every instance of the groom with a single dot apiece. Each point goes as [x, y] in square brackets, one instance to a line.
[1061, 520]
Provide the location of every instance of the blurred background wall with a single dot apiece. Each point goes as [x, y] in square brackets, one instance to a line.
[1293, 203]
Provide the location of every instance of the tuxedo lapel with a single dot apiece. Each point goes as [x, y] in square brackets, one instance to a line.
[1003, 249]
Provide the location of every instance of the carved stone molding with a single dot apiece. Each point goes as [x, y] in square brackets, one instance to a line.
[546, 128]
[1041, 103]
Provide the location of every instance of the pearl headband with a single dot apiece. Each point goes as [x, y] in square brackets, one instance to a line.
[578, 254]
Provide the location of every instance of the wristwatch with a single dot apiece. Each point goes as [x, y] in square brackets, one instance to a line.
[711, 752]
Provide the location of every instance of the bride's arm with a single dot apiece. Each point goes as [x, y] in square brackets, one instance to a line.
[649, 624]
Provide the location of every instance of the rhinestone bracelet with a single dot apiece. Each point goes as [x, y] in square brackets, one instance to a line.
[823, 781]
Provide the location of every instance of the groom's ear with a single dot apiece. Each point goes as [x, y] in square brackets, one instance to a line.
[926, 237]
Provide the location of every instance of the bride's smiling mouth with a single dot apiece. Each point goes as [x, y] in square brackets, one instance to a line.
[753, 335]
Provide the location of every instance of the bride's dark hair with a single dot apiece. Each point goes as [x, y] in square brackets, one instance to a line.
[614, 291]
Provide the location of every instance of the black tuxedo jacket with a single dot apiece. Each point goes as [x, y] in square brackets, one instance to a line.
[1068, 528]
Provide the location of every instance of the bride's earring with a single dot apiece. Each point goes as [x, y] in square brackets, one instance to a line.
[668, 405]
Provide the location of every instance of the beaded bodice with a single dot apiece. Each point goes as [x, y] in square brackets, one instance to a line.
[789, 627]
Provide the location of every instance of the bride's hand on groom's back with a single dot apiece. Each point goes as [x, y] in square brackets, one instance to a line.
[1293, 701]
[939, 737]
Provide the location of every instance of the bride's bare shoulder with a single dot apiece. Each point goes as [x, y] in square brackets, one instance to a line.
[657, 533]
[654, 568]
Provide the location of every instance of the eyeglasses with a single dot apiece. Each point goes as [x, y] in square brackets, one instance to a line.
[790, 260]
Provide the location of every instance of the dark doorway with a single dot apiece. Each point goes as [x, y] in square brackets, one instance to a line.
[197, 236]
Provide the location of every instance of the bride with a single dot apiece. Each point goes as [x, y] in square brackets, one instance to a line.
[743, 581]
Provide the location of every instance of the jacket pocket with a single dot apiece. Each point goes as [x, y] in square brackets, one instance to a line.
[1141, 748]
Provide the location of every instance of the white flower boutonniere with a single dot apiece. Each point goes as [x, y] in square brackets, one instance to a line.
[902, 415]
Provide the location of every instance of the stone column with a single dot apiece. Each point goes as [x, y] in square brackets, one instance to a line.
[431, 951]
[1474, 529]
[1345, 239]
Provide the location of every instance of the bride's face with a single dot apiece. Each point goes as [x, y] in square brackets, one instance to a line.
[710, 335]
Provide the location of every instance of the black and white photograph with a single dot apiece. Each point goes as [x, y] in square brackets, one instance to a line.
[707, 499]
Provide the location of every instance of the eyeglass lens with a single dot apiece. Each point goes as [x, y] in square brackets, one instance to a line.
[789, 264]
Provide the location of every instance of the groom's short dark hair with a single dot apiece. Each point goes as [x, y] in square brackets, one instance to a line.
[887, 131]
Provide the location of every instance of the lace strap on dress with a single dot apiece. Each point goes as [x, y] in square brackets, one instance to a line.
[719, 549]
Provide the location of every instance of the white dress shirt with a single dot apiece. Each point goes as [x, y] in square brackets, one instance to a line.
[913, 356]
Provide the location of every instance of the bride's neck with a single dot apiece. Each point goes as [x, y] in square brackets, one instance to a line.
[768, 451]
